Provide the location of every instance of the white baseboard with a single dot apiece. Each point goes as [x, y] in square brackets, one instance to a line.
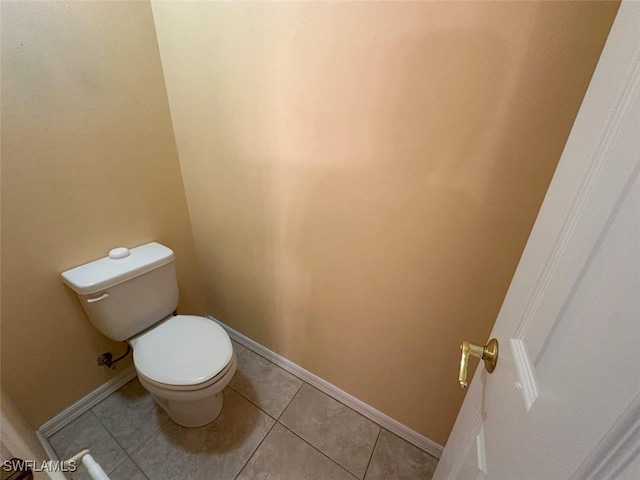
[44, 441]
[90, 400]
[359, 406]
[83, 405]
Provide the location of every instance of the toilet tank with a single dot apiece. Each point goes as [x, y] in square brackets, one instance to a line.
[127, 291]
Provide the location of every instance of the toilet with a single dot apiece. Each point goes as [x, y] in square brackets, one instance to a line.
[184, 361]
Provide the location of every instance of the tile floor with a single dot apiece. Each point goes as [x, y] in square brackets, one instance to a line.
[272, 426]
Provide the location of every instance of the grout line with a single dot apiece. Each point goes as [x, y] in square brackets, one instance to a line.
[350, 408]
[322, 393]
[257, 448]
[128, 455]
[290, 401]
[279, 368]
[320, 451]
[90, 411]
[157, 432]
[161, 424]
[372, 452]
[308, 384]
[277, 420]
[302, 381]
[244, 349]
[379, 418]
[114, 439]
[136, 450]
[144, 474]
[114, 468]
[252, 402]
[247, 349]
[107, 428]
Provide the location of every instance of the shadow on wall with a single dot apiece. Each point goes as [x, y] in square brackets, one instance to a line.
[89, 163]
[386, 248]
[407, 250]
[385, 221]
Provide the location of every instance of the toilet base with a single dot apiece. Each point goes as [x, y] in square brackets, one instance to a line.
[192, 413]
[192, 408]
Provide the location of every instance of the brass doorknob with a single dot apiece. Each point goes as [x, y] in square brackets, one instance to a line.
[488, 353]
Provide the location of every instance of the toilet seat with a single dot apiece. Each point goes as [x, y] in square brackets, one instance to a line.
[183, 352]
[188, 388]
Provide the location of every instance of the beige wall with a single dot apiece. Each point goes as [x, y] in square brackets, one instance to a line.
[362, 177]
[88, 163]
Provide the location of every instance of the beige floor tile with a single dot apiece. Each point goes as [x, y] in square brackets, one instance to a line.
[130, 415]
[87, 432]
[395, 458]
[318, 438]
[339, 432]
[268, 386]
[127, 470]
[237, 348]
[283, 455]
[216, 451]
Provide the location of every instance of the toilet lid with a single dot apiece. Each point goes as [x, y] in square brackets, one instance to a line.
[182, 350]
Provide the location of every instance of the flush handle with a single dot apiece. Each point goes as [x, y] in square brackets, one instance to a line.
[488, 353]
[97, 299]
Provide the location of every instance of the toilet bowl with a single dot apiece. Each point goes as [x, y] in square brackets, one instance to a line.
[191, 408]
[184, 361]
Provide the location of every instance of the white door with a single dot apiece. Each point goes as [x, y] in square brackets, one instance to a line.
[564, 399]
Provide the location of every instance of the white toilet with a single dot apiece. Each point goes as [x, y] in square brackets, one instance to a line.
[185, 361]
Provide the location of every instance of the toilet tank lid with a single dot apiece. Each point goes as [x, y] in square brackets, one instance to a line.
[111, 270]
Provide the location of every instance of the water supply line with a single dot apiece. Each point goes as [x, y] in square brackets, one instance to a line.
[107, 361]
[95, 470]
